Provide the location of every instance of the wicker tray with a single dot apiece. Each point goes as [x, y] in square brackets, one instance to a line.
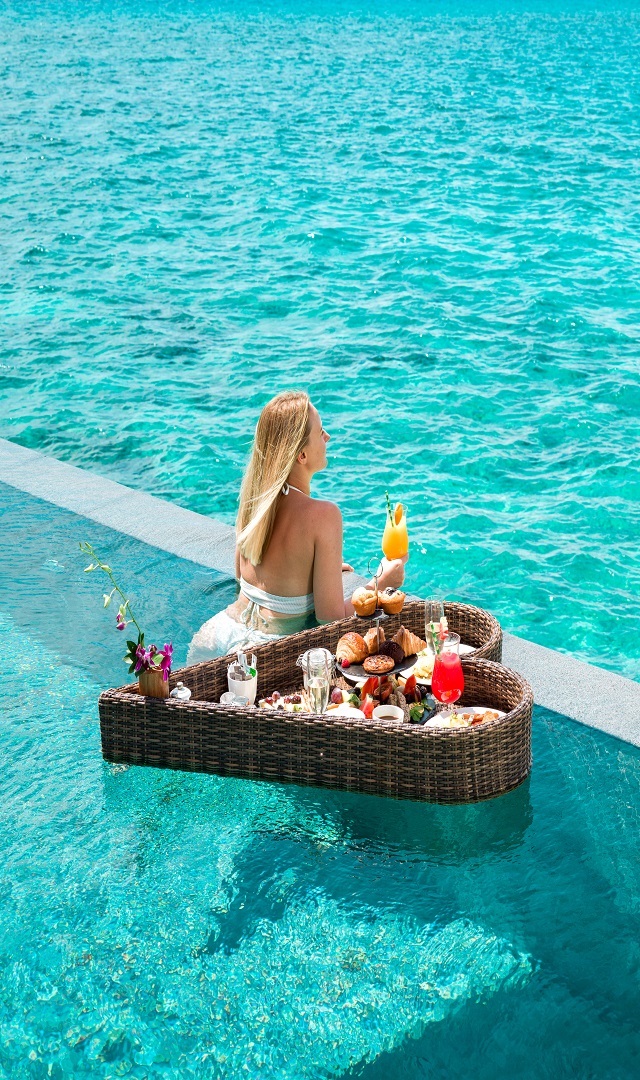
[403, 761]
[475, 626]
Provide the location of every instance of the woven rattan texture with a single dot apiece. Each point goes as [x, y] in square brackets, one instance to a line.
[401, 761]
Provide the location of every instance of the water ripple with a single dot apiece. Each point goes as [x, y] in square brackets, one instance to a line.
[427, 218]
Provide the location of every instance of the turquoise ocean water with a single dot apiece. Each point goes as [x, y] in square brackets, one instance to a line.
[428, 214]
[163, 926]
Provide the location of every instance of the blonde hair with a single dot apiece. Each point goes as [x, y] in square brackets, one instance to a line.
[282, 432]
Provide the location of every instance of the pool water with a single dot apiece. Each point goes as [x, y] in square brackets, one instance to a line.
[162, 925]
[425, 213]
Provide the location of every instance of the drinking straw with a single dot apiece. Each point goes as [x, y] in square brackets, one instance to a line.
[389, 508]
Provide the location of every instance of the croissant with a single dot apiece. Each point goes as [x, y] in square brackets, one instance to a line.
[411, 643]
[373, 639]
[352, 647]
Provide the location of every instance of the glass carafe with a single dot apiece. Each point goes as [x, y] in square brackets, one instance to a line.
[317, 667]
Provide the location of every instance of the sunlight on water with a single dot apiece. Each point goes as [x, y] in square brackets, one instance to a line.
[425, 214]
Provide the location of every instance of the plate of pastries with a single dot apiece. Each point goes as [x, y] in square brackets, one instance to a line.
[360, 657]
[366, 602]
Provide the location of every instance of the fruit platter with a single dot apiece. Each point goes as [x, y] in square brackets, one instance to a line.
[367, 672]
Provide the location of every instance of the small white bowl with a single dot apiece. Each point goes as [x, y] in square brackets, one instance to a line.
[344, 710]
[388, 712]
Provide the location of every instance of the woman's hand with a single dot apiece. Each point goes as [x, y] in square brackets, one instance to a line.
[347, 568]
[391, 573]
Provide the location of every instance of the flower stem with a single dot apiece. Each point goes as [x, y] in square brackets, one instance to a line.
[90, 551]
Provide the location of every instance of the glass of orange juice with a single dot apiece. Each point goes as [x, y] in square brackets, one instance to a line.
[395, 539]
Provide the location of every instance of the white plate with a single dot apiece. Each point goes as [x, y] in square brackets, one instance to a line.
[406, 672]
[436, 721]
[345, 710]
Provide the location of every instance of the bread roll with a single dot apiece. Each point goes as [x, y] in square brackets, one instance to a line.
[374, 639]
[352, 647]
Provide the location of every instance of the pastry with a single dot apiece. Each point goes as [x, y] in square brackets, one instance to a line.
[374, 639]
[351, 648]
[365, 601]
[391, 601]
[411, 643]
[378, 665]
[392, 649]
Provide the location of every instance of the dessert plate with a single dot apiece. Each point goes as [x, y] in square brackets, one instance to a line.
[379, 615]
[356, 673]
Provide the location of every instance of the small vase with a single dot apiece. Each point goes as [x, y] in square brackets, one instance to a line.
[152, 683]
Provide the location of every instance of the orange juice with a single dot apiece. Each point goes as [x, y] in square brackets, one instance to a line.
[395, 539]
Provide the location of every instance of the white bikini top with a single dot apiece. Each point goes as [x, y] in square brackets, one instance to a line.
[284, 605]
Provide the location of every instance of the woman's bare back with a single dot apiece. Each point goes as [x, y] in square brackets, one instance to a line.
[287, 565]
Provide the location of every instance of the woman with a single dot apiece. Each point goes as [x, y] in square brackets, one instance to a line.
[289, 546]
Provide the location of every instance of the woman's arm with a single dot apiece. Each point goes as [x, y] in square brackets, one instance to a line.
[390, 573]
[327, 565]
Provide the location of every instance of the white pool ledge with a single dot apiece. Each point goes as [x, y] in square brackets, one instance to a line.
[583, 692]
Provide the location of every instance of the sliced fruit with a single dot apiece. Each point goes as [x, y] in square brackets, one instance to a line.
[398, 513]
[409, 685]
[369, 686]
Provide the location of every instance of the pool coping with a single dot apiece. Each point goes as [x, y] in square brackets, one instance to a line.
[582, 692]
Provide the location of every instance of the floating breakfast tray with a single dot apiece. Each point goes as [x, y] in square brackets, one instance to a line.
[403, 761]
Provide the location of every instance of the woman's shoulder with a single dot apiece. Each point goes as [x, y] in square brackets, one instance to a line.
[320, 512]
[326, 513]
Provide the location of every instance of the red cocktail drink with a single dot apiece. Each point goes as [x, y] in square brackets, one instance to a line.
[447, 681]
